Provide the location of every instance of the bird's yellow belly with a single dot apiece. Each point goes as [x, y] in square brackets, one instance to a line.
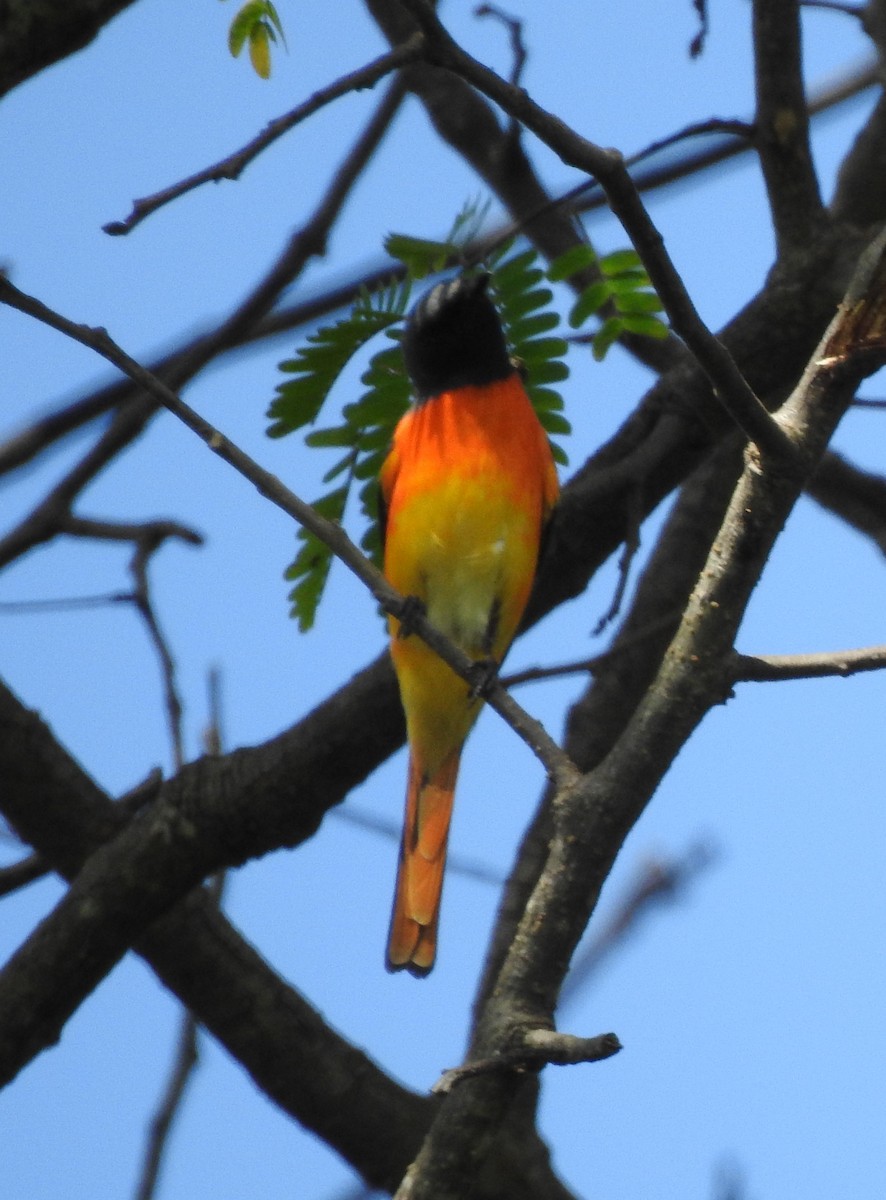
[470, 559]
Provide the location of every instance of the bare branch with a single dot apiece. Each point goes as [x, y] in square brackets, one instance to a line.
[540, 1048]
[234, 164]
[187, 1050]
[857, 497]
[20, 874]
[773, 668]
[783, 125]
[34, 35]
[303, 1065]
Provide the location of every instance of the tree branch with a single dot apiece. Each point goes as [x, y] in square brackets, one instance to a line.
[36, 33]
[773, 668]
[131, 418]
[783, 125]
[306, 1068]
[855, 496]
[234, 164]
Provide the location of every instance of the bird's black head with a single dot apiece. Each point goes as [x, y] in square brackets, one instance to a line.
[453, 338]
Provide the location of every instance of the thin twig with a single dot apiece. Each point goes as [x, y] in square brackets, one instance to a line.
[35, 866]
[540, 1048]
[148, 538]
[456, 864]
[187, 1053]
[20, 874]
[589, 666]
[515, 29]
[233, 165]
[782, 125]
[64, 603]
[660, 881]
[44, 522]
[184, 1061]
[629, 551]
[697, 44]
[775, 668]
[840, 6]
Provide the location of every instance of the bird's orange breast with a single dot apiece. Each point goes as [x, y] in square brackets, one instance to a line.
[467, 485]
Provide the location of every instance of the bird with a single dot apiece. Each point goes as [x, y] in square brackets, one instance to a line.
[465, 492]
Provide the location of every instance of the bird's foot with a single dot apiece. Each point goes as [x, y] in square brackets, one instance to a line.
[411, 611]
[484, 675]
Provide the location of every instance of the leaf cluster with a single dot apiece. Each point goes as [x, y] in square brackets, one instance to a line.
[363, 432]
[621, 295]
[257, 24]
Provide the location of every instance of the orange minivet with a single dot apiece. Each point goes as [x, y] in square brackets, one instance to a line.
[466, 489]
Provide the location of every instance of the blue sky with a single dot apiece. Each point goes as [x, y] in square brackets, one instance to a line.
[751, 1011]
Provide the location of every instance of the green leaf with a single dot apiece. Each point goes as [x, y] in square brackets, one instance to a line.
[577, 258]
[343, 464]
[539, 349]
[621, 285]
[647, 326]
[508, 274]
[590, 301]
[370, 543]
[608, 333]
[274, 18]
[243, 23]
[312, 563]
[548, 371]
[372, 408]
[633, 277]
[379, 437]
[547, 400]
[519, 305]
[619, 261]
[637, 302]
[420, 256]
[341, 435]
[554, 423]
[258, 23]
[260, 49]
[317, 366]
[528, 327]
[423, 256]
[369, 466]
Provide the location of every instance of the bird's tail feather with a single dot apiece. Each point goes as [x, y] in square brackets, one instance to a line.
[412, 942]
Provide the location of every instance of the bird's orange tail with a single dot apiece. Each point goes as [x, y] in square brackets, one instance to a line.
[412, 942]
